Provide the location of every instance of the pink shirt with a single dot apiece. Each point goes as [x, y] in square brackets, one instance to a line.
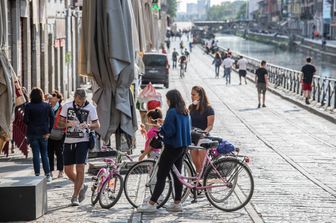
[150, 134]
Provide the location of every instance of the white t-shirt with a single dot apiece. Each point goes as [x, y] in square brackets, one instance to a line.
[242, 63]
[228, 62]
[87, 114]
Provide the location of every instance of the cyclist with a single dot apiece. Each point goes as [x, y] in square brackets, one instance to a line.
[183, 61]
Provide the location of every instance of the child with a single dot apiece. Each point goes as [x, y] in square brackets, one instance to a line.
[152, 117]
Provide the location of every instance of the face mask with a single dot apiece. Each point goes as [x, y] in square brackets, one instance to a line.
[195, 102]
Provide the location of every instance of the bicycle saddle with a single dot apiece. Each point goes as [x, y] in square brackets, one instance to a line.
[109, 161]
[209, 145]
[215, 138]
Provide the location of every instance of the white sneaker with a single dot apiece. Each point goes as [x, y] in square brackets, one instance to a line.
[49, 178]
[147, 208]
[174, 207]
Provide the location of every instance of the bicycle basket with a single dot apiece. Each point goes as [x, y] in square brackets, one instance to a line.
[225, 147]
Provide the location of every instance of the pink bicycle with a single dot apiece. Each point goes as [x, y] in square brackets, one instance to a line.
[108, 184]
[227, 181]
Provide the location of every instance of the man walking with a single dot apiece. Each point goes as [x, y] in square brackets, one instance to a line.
[227, 65]
[174, 58]
[79, 117]
[308, 72]
[261, 80]
[242, 64]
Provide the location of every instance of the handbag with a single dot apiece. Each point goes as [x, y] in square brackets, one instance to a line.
[56, 134]
[92, 140]
[156, 142]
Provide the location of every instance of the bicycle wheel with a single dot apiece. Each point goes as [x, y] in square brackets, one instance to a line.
[139, 185]
[232, 184]
[96, 188]
[111, 191]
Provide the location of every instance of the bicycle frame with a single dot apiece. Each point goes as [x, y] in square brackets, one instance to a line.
[111, 169]
[182, 179]
[207, 160]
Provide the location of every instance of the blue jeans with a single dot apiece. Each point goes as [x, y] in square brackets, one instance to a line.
[217, 70]
[227, 75]
[39, 146]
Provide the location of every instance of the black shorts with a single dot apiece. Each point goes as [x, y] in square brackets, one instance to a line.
[242, 73]
[261, 87]
[75, 153]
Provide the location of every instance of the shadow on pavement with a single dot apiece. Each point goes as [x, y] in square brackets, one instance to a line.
[248, 109]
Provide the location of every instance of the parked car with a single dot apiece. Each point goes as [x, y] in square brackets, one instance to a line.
[156, 69]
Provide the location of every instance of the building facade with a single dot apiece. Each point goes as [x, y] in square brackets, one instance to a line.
[43, 38]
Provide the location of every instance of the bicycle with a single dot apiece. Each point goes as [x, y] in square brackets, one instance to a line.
[218, 176]
[108, 184]
[182, 70]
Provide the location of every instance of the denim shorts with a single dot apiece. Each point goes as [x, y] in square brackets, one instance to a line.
[75, 153]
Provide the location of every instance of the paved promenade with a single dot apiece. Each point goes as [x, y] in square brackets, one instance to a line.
[292, 159]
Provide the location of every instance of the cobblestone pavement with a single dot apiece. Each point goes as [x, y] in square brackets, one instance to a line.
[292, 153]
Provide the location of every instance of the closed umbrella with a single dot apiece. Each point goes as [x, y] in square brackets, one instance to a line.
[109, 57]
[7, 93]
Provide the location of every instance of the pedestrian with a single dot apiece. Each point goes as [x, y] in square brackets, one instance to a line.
[152, 118]
[217, 61]
[174, 58]
[190, 47]
[176, 138]
[56, 138]
[181, 46]
[79, 117]
[39, 119]
[168, 43]
[261, 80]
[242, 65]
[227, 65]
[308, 72]
[202, 117]
[324, 42]
[163, 51]
[187, 55]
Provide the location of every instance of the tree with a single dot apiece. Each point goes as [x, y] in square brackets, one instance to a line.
[227, 10]
[172, 7]
[242, 14]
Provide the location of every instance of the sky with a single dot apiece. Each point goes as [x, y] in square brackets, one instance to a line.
[183, 4]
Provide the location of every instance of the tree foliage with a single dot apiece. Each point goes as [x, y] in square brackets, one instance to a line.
[242, 14]
[172, 7]
[227, 10]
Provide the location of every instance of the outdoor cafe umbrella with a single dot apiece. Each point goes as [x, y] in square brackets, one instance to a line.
[7, 93]
[107, 53]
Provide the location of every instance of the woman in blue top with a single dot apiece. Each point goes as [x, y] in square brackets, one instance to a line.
[176, 132]
[39, 118]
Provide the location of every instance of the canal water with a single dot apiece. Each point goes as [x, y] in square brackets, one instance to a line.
[272, 54]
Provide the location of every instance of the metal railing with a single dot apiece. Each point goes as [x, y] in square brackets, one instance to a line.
[323, 88]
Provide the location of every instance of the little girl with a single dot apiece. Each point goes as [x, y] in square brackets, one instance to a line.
[152, 117]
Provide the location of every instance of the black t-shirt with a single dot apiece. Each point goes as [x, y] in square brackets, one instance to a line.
[308, 71]
[175, 54]
[200, 119]
[261, 72]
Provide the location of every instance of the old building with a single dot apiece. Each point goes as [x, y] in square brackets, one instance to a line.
[43, 38]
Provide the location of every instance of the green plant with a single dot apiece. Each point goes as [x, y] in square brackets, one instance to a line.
[67, 57]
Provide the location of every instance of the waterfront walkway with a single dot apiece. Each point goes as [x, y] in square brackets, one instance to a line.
[292, 159]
